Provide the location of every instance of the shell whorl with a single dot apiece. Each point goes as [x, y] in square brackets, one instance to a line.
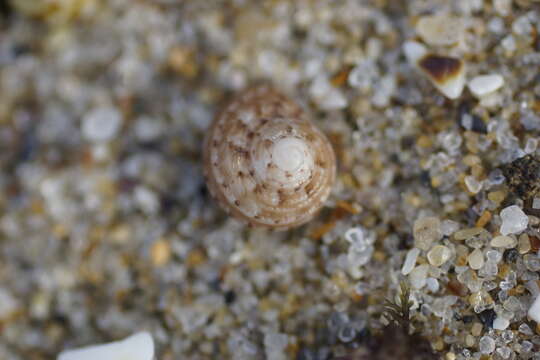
[266, 162]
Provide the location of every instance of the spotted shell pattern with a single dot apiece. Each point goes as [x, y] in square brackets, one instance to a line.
[265, 162]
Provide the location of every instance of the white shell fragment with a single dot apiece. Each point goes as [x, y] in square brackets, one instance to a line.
[440, 29]
[534, 310]
[446, 73]
[500, 323]
[485, 84]
[514, 220]
[410, 261]
[139, 346]
[414, 51]
[266, 162]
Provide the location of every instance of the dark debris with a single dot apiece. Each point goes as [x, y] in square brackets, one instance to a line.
[487, 317]
[394, 343]
[523, 176]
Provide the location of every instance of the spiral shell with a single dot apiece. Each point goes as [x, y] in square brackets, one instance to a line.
[266, 162]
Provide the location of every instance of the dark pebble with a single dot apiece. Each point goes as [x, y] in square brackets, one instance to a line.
[5, 8]
[229, 296]
[487, 317]
[510, 255]
[478, 125]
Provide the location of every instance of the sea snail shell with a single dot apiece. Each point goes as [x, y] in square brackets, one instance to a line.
[265, 162]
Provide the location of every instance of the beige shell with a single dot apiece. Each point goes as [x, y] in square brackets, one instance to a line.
[266, 162]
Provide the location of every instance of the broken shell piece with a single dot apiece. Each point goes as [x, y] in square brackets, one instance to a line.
[139, 346]
[485, 84]
[446, 73]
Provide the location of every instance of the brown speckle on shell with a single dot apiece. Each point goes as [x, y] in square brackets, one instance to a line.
[264, 151]
[441, 68]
